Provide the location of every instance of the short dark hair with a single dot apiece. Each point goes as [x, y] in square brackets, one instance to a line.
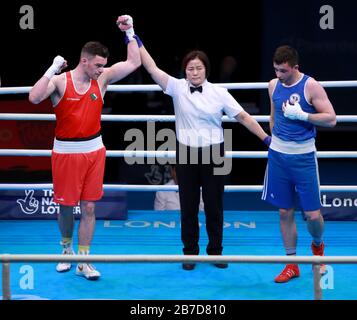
[199, 55]
[94, 48]
[286, 54]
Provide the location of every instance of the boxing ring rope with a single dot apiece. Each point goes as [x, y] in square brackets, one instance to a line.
[170, 154]
[154, 188]
[155, 87]
[138, 118]
[314, 260]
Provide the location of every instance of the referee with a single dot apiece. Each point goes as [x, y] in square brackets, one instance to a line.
[199, 106]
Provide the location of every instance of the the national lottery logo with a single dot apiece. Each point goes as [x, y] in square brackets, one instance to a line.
[28, 205]
[41, 204]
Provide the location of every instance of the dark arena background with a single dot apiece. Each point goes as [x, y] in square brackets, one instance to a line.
[240, 39]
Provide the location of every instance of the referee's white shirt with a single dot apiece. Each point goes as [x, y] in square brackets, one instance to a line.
[199, 115]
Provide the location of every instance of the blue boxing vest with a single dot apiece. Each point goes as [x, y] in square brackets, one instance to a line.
[284, 128]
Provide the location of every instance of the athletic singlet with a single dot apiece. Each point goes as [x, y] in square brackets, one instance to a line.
[78, 115]
[284, 128]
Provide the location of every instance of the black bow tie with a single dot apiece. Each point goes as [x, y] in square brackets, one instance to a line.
[193, 89]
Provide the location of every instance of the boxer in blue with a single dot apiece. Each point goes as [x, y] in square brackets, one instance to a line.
[298, 104]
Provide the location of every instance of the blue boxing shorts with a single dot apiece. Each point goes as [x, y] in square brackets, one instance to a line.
[290, 174]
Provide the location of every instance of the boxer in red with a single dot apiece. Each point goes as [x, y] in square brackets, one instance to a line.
[78, 156]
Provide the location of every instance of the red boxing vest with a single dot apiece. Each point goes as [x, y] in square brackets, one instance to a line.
[78, 115]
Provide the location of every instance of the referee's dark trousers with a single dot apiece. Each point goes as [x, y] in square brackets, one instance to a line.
[195, 168]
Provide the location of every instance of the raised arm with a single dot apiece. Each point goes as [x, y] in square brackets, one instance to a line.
[46, 85]
[121, 69]
[159, 76]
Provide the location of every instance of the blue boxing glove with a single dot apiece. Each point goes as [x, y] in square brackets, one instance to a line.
[267, 141]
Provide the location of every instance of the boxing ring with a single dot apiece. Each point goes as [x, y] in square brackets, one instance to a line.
[315, 261]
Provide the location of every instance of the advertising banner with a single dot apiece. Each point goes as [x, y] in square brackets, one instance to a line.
[339, 206]
[38, 204]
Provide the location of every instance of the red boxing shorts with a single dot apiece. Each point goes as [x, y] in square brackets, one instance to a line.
[78, 176]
